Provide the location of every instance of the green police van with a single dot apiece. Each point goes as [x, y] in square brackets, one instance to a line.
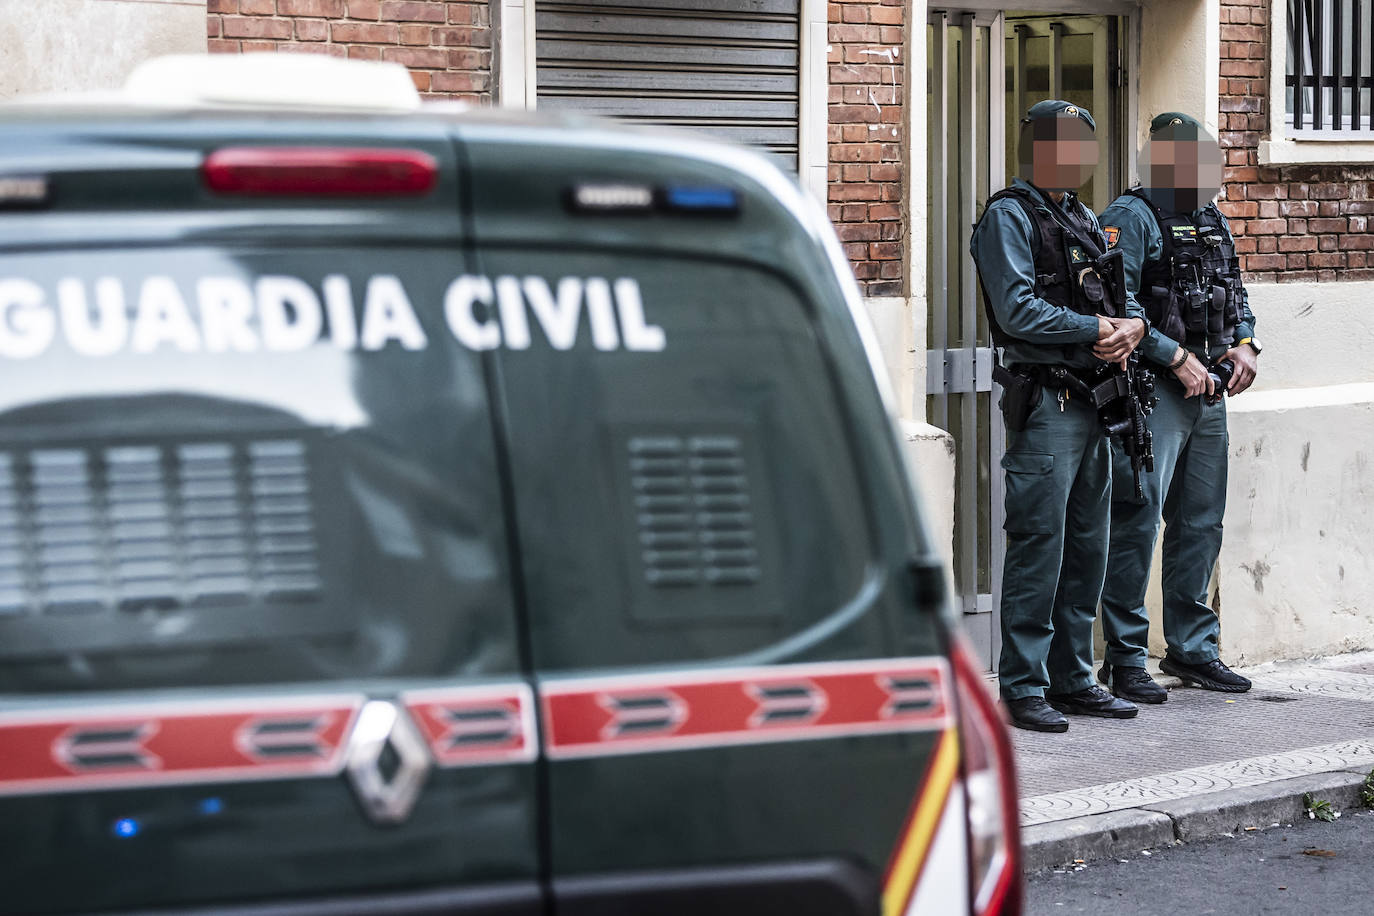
[417, 511]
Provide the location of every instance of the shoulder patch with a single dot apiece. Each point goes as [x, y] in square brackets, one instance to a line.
[1113, 233]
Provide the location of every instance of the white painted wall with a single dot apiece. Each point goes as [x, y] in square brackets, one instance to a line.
[1312, 333]
[1180, 61]
[929, 450]
[930, 461]
[894, 330]
[1296, 572]
[75, 45]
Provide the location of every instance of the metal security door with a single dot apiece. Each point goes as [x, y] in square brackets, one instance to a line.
[986, 69]
[1079, 59]
[725, 67]
[967, 139]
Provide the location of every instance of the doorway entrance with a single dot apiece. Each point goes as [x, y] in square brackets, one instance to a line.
[985, 68]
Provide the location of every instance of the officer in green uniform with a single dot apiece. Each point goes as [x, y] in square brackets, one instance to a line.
[1180, 263]
[1036, 248]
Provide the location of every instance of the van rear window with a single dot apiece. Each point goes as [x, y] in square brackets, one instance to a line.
[697, 502]
[245, 467]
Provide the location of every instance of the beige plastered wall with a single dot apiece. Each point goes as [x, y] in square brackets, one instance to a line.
[1179, 61]
[929, 451]
[76, 45]
[1296, 570]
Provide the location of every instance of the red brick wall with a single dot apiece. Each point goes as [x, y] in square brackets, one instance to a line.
[1291, 223]
[446, 45]
[867, 72]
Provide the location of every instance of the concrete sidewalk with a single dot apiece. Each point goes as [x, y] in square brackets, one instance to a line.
[1202, 764]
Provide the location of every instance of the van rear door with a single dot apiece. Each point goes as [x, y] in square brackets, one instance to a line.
[738, 697]
[257, 635]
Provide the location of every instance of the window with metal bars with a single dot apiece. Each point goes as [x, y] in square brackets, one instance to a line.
[1330, 68]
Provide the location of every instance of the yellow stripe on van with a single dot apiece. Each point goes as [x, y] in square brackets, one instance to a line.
[920, 833]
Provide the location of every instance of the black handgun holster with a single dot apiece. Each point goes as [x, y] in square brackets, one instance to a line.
[1020, 396]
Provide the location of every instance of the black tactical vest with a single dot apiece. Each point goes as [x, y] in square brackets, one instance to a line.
[1065, 245]
[1193, 293]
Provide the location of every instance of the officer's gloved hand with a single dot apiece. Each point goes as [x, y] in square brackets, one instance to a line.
[1194, 377]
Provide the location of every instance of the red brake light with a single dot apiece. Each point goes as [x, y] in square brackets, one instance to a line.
[310, 170]
[994, 829]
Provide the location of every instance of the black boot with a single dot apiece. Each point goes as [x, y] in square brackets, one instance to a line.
[1091, 701]
[1035, 714]
[1131, 683]
[1213, 675]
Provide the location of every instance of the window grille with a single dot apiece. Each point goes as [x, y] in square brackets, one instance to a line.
[1330, 77]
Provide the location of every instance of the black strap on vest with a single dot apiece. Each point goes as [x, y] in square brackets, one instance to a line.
[1046, 274]
[1095, 246]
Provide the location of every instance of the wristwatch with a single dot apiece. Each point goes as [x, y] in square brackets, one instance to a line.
[1254, 343]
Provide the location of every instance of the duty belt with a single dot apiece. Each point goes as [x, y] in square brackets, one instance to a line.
[1082, 383]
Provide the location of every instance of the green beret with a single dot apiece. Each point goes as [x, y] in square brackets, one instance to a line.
[1057, 108]
[1185, 127]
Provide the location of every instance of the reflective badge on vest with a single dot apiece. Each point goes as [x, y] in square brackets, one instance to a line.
[1076, 255]
[1185, 233]
[1113, 233]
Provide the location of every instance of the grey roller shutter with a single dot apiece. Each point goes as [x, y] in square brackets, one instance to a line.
[729, 67]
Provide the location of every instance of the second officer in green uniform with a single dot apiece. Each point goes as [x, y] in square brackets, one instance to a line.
[1180, 262]
[1037, 249]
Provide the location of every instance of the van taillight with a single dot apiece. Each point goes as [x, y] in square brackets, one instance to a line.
[994, 835]
[307, 170]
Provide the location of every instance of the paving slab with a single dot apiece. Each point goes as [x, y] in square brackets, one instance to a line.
[1194, 728]
[1208, 763]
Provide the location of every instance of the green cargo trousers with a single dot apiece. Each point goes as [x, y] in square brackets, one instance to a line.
[1058, 476]
[1188, 487]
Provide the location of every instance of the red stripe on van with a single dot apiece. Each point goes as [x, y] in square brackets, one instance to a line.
[714, 707]
[160, 744]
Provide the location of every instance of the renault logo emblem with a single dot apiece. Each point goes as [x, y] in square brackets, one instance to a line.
[386, 762]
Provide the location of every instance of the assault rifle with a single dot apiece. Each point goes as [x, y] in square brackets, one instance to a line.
[1123, 399]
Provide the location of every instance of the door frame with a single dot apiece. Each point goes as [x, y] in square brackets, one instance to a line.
[968, 369]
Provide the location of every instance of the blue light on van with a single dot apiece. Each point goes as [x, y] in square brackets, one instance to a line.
[126, 828]
[702, 198]
[211, 806]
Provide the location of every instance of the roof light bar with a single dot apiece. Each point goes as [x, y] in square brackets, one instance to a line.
[624, 198]
[611, 197]
[701, 198]
[311, 171]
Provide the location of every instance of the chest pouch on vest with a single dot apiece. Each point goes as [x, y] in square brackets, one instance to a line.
[1221, 268]
[1182, 306]
[1102, 282]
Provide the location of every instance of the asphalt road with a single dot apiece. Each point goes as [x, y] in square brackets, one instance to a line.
[1310, 867]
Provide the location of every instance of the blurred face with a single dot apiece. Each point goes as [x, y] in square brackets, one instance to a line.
[1182, 174]
[1063, 153]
